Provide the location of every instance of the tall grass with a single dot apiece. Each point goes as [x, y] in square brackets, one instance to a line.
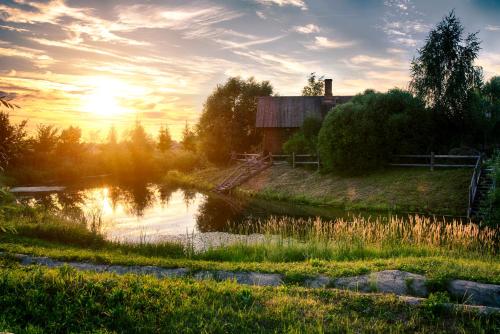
[289, 239]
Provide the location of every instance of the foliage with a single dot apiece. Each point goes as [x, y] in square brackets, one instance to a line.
[364, 133]
[188, 141]
[445, 77]
[12, 140]
[227, 123]
[306, 139]
[164, 139]
[315, 85]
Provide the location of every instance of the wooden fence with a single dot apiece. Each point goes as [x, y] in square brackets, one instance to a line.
[276, 159]
[436, 160]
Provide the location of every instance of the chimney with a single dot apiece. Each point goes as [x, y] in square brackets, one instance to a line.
[328, 88]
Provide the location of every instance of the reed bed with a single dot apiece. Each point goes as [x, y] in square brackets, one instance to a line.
[418, 232]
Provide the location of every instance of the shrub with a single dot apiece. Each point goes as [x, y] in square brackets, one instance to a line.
[363, 133]
[306, 139]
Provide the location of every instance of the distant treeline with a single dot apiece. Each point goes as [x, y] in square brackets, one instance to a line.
[52, 154]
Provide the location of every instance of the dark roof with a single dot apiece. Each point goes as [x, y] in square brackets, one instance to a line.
[290, 111]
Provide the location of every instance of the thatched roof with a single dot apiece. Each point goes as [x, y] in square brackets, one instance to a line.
[290, 111]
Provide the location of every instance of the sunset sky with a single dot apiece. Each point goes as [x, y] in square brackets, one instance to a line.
[100, 63]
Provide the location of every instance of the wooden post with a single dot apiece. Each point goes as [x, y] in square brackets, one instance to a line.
[271, 158]
[293, 159]
[317, 154]
[432, 161]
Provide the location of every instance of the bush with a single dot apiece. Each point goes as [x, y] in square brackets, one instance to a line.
[304, 141]
[364, 133]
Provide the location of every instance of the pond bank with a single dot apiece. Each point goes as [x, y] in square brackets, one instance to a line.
[405, 190]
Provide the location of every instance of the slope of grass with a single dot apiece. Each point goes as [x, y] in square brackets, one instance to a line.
[443, 191]
[35, 300]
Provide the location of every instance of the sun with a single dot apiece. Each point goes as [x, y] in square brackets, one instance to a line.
[104, 98]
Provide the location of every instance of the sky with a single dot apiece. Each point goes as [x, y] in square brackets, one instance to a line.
[97, 64]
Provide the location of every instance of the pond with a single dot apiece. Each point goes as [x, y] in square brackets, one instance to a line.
[150, 212]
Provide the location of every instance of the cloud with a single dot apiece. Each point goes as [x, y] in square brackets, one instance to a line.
[370, 61]
[321, 42]
[307, 29]
[296, 3]
[492, 28]
[198, 21]
[490, 62]
[261, 15]
[243, 45]
[402, 22]
[37, 57]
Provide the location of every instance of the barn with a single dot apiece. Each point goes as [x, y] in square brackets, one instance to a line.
[278, 117]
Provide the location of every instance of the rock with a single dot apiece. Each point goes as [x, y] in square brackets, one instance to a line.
[88, 266]
[250, 278]
[475, 293]
[388, 281]
[318, 282]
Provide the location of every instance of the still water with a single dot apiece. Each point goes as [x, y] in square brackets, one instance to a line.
[152, 212]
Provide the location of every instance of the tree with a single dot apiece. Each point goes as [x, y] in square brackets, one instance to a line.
[188, 141]
[227, 123]
[491, 90]
[364, 133]
[12, 140]
[69, 145]
[164, 139]
[444, 74]
[315, 85]
[46, 139]
[306, 139]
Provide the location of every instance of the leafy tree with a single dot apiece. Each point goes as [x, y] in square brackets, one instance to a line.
[46, 139]
[491, 90]
[188, 141]
[164, 139]
[112, 137]
[69, 144]
[12, 140]
[227, 123]
[444, 74]
[363, 133]
[315, 85]
[306, 139]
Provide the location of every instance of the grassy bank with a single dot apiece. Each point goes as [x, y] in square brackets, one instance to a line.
[36, 300]
[294, 248]
[443, 191]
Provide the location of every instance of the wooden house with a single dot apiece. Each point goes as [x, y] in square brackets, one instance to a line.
[280, 116]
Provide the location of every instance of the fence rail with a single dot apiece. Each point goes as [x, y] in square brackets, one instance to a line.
[432, 160]
[474, 182]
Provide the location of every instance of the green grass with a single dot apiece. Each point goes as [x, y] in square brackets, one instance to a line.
[437, 267]
[35, 300]
[443, 191]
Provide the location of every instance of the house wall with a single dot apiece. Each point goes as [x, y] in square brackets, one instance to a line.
[274, 138]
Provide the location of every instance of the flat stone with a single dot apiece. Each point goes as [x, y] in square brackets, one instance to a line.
[475, 293]
[387, 281]
[247, 278]
[318, 282]
[88, 266]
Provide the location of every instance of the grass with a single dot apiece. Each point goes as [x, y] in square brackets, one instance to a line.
[294, 248]
[443, 191]
[35, 300]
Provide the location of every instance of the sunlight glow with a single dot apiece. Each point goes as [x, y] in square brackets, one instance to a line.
[104, 98]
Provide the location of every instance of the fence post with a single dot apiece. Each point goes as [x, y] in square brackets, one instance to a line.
[432, 161]
[317, 154]
[293, 159]
[271, 158]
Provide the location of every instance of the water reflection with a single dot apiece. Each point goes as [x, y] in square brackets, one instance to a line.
[150, 212]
